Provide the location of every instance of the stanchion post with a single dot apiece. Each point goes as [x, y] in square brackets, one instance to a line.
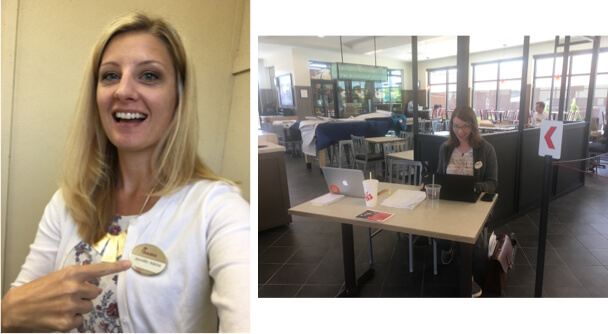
[542, 233]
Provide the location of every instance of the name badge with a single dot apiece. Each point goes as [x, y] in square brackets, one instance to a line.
[148, 260]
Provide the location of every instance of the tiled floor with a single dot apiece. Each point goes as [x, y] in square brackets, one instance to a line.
[304, 259]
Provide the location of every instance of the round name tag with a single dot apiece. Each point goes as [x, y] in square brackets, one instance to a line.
[148, 260]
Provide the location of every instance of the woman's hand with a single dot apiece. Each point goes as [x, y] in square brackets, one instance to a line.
[57, 301]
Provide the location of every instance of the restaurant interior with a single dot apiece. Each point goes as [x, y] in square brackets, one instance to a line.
[310, 87]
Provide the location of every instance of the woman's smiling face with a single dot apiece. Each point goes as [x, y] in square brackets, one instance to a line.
[136, 91]
[462, 129]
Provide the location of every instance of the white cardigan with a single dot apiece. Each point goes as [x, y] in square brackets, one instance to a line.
[204, 231]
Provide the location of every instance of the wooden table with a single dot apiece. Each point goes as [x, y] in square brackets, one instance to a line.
[457, 221]
[383, 140]
[405, 155]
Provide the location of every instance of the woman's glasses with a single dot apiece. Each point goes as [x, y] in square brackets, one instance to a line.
[465, 127]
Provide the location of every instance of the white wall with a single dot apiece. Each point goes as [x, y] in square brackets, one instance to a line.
[45, 44]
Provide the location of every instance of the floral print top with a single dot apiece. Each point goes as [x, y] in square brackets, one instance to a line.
[104, 318]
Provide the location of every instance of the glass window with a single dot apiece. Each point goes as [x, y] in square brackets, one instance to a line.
[437, 77]
[602, 63]
[484, 95]
[581, 64]
[439, 91]
[486, 72]
[544, 66]
[509, 93]
[452, 76]
[510, 69]
[437, 95]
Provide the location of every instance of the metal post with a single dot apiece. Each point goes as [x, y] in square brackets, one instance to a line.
[462, 76]
[542, 233]
[562, 91]
[414, 40]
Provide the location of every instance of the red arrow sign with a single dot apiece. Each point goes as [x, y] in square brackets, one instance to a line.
[548, 137]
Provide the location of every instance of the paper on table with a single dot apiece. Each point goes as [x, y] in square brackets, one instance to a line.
[326, 199]
[404, 199]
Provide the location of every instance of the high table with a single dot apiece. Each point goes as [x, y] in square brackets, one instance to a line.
[404, 155]
[457, 221]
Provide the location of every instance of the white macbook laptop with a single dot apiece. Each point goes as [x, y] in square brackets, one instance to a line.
[344, 181]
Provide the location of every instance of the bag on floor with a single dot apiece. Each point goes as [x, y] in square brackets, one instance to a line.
[500, 262]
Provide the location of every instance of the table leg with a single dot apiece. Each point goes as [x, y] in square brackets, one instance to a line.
[321, 157]
[352, 285]
[466, 269]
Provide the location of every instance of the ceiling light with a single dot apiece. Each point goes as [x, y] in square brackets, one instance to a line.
[375, 52]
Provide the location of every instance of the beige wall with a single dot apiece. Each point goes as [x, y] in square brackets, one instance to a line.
[45, 44]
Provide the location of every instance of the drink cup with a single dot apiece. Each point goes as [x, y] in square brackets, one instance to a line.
[370, 188]
[432, 196]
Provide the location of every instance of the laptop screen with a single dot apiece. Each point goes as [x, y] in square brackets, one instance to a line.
[344, 181]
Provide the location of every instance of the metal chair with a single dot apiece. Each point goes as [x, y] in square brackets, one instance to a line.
[409, 136]
[404, 172]
[362, 153]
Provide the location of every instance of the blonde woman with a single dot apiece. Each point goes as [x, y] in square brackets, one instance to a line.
[141, 236]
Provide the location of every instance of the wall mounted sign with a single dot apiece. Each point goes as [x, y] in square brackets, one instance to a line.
[359, 72]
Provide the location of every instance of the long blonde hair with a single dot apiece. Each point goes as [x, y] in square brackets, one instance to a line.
[91, 160]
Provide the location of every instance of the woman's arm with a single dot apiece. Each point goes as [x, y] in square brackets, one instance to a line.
[228, 251]
[489, 170]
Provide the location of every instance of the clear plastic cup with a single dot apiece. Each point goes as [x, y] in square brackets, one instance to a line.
[432, 196]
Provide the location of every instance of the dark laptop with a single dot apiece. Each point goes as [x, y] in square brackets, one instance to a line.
[457, 188]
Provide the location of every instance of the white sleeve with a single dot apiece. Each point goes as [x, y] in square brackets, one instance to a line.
[228, 251]
[43, 252]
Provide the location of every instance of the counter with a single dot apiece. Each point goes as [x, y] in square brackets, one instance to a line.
[273, 192]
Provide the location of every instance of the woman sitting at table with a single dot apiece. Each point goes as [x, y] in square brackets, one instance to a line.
[467, 153]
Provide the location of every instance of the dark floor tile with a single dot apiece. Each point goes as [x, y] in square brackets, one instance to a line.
[319, 291]
[566, 292]
[564, 241]
[595, 291]
[582, 229]
[558, 229]
[268, 237]
[601, 255]
[266, 271]
[279, 291]
[527, 240]
[591, 275]
[577, 256]
[559, 276]
[520, 276]
[293, 273]
[440, 291]
[308, 254]
[327, 274]
[369, 291]
[276, 254]
[569, 218]
[399, 274]
[551, 256]
[593, 241]
[518, 291]
[595, 218]
[601, 227]
[395, 291]
[523, 228]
